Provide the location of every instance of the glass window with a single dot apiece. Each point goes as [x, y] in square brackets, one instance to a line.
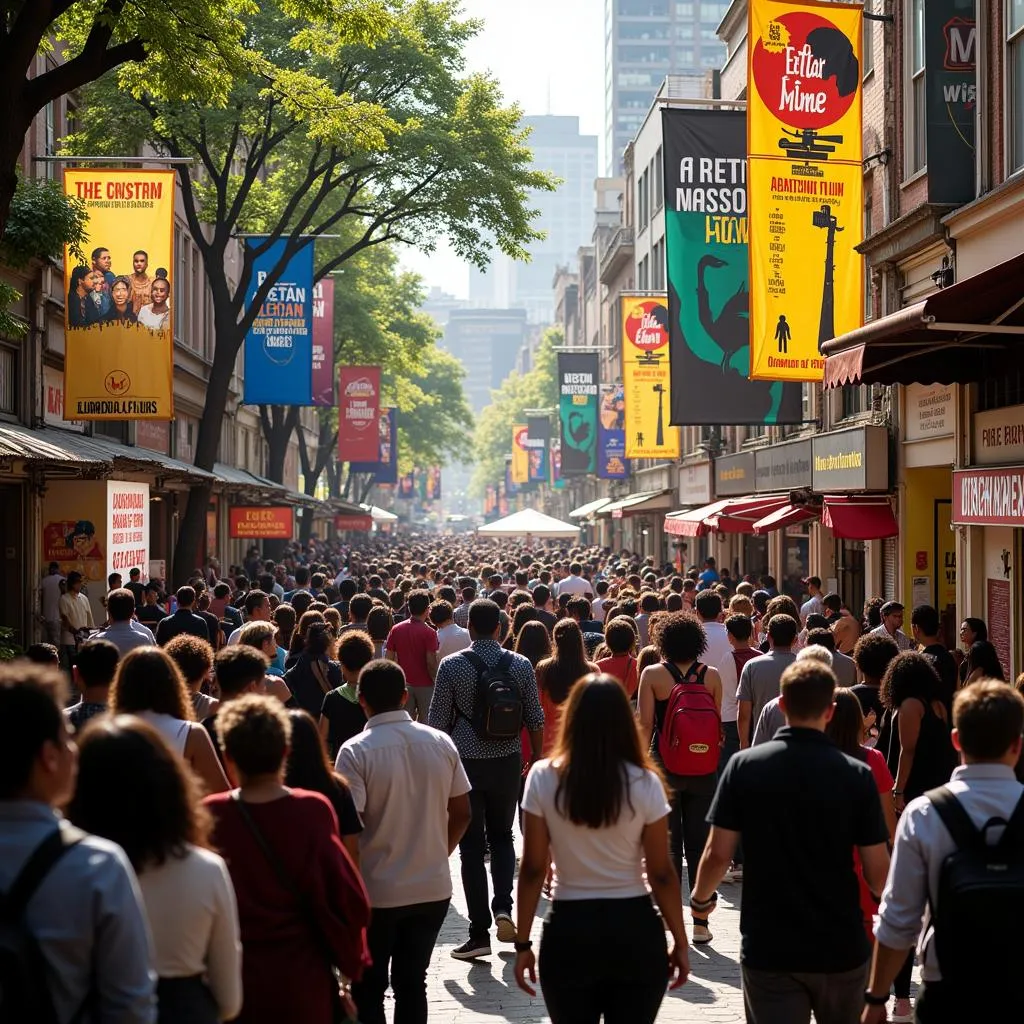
[1015, 70]
[917, 136]
[869, 39]
[8, 380]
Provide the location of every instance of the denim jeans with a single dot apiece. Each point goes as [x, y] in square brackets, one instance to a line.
[404, 938]
[492, 800]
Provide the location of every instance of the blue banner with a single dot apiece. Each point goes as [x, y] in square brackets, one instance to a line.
[386, 470]
[612, 463]
[279, 345]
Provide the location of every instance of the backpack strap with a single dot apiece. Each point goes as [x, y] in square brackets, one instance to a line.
[481, 668]
[698, 669]
[42, 859]
[1014, 832]
[957, 821]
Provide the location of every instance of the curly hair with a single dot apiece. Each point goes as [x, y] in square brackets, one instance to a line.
[872, 653]
[193, 655]
[678, 636]
[909, 675]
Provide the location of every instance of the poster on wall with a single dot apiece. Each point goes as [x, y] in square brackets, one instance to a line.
[359, 414]
[647, 379]
[612, 463]
[118, 317]
[127, 527]
[520, 469]
[323, 342]
[579, 375]
[74, 546]
[709, 275]
[538, 439]
[279, 344]
[805, 183]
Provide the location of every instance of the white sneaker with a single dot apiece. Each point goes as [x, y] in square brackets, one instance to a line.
[506, 927]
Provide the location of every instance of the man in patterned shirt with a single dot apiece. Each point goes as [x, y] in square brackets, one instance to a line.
[892, 626]
[494, 768]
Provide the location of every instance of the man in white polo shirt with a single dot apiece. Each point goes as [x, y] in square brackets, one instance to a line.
[400, 772]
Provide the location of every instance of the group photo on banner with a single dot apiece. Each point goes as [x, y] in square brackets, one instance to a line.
[579, 375]
[805, 183]
[708, 273]
[647, 379]
[119, 348]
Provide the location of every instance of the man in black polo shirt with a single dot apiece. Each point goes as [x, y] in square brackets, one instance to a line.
[801, 806]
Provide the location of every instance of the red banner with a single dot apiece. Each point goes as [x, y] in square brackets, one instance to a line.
[258, 522]
[323, 342]
[989, 497]
[358, 414]
[353, 523]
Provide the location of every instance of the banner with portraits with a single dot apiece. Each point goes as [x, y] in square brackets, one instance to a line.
[118, 316]
[805, 184]
[520, 466]
[579, 376]
[647, 379]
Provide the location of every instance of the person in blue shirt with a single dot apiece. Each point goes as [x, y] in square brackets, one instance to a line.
[709, 577]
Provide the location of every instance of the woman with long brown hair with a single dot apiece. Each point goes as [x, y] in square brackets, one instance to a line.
[600, 808]
[556, 675]
[298, 641]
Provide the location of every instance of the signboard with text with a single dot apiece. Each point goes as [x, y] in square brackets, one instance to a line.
[127, 527]
[259, 522]
[988, 497]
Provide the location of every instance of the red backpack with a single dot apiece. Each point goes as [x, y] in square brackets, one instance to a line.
[691, 731]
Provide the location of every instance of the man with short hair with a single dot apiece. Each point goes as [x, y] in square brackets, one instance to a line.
[93, 672]
[124, 632]
[414, 645]
[648, 606]
[85, 911]
[151, 611]
[804, 948]
[709, 577]
[450, 638]
[400, 771]
[257, 609]
[75, 618]
[813, 605]
[359, 609]
[461, 614]
[761, 677]
[50, 589]
[601, 586]
[926, 627]
[892, 623]
[136, 586]
[184, 620]
[578, 609]
[845, 668]
[739, 635]
[238, 669]
[494, 768]
[574, 584]
[142, 283]
[302, 575]
[541, 600]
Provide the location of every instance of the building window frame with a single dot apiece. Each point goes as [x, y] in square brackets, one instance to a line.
[1014, 85]
[10, 381]
[915, 122]
[868, 41]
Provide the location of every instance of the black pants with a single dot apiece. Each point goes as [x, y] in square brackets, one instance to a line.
[901, 984]
[185, 1001]
[783, 997]
[687, 821]
[403, 937]
[493, 801]
[603, 957]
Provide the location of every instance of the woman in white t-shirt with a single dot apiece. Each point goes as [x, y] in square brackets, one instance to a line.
[599, 809]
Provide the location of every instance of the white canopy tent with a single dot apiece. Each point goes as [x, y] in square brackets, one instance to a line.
[380, 515]
[529, 523]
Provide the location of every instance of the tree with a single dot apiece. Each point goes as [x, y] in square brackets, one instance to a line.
[373, 139]
[537, 389]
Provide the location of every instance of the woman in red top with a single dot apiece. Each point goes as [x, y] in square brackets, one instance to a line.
[302, 906]
[621, 638]
[557, 674]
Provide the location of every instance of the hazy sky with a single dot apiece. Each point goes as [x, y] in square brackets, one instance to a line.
[548, 56]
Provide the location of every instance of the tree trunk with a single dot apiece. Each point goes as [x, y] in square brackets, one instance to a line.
[13, 127]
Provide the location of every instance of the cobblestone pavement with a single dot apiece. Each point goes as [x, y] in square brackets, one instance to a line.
[475, 993]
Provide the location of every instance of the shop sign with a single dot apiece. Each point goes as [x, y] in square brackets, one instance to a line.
[127, 527]
[257, 522]
[734, 475]
[929, 412]
[989, 497]
[695, 484]
[851, 460]
[999, 436]
[782, 466]
[364, 523]
[53, 401]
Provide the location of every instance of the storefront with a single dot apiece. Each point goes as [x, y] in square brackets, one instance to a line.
[695, 489]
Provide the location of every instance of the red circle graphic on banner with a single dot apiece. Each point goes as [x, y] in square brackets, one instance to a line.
[646, 324]
[805, 70]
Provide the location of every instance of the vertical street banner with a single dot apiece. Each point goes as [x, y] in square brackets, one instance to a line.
[323, 342]
[385, 469]
[359, 413]
[511, 487]
[556, 464]
[127, 527]
[612, 463]
[538, 440]
[579, 377]
[520, 467]
[407, 486]
[647, 379]
[432, 485]
[709, 277]
[805, 183]
[118, 318]
[279, 344]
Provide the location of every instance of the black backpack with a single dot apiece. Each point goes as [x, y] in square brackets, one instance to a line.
[498, 701]
[24, 985]
[978, 910]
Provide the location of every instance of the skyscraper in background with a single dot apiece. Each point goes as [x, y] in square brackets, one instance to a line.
[645, 41]
[566, 217]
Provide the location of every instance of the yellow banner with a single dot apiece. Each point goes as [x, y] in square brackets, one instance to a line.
[119, 358]
[805, 183]
[520, 455]
[646, 378]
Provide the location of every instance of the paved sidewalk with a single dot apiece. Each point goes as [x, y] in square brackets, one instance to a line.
[474, 993]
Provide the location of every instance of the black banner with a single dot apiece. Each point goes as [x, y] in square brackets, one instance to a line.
[578, 385]
[709, 276]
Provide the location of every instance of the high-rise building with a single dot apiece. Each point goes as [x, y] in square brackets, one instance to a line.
[646, 40]
[566, 217]
[486, 342]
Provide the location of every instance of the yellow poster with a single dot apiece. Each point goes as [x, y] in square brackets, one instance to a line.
[805, 183]
[520, 454]
[119, 359]
[646, 378]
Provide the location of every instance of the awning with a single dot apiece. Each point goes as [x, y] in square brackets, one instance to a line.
[788, 515]
[380, 515]
[967, 332]
[740, 514]
[585, 511]
[691, 523]
[633, 504]
[67, 448]
[242, 478]
[859, 517]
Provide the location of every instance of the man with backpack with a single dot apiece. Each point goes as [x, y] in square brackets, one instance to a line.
[483, 697]
[959, 860]
[74, 943]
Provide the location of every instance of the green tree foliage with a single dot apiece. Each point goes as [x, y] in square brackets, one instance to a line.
[537, 389]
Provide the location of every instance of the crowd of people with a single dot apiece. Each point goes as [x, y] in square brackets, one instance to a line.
[239, 801]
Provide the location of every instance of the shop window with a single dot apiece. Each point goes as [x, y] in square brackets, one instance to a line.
[854, 400]
[916, 132]
[869, 39]
[8, 380]
[1015, 83]
[997, 392]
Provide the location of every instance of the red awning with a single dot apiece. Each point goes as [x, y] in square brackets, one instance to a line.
[691, 523]
[788, 515]
[729, 515]
[859, 517]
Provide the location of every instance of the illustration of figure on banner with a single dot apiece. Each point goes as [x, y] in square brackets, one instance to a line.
[730, 329]
[613, 407]
[783, 333]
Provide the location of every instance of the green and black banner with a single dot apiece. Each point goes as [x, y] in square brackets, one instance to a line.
[709, 277]
[578, 386]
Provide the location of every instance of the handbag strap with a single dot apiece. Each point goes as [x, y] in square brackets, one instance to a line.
[321, 675]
